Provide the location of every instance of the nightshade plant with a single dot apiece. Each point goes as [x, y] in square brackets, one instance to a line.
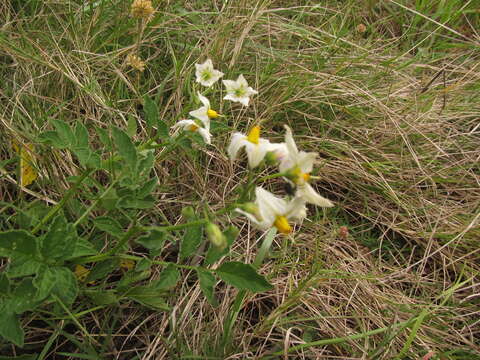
[52, 261]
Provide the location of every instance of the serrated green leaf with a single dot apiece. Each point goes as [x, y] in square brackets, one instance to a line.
[242, 276]
[151, 111]
[10, 327]
[109, 225]
[149, 297]
[125, 148]
[214, 253]
[64, 131]
[59, 242]
[109, 200]
[66, 287]
[53, 139]
[153, 241]
[168, 278]
[207, 285]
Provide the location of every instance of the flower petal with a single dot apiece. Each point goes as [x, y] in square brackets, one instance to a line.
[236, 143]
[308, 193]
[202, 115]
[296, 209]
[204, 101]
[205, 135]
[256, 153]
[269, 205]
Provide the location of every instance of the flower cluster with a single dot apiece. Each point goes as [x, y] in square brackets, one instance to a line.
[295, 166]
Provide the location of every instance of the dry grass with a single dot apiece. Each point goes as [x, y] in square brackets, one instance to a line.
[400, 157]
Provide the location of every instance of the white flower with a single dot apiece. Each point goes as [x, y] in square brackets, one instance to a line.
[190, 125]
[238, 90]
[205, 113]
[255, 147]
[297, 166]
[206, 74]
[274, 211]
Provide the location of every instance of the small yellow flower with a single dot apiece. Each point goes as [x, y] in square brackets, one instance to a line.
[135, 62]
[142, 9]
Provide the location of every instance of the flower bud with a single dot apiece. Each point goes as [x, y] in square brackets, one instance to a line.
[215, 236]
[271, 158]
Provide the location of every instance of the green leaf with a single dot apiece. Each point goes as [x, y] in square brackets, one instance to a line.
[151, 111]
[23, 297]
[10, 327]
[153, 241]
[102, 297]
[87, 157]
[168, 278]
[64, 131]
[59, 242]
[131, 126]
[81, 136]
[125, 147]
[109, 200]
[102, 269]
[18, 241]
[147, 188]
[242, 276]
[130, 202]
[104, 138]
[44, 282]
[131, 277]
[215, 253]
[4, 284]
[149, 297]
[52, 138]
[145, 165]
[20, 357]
[66, 287]
[192, 238]
[82, 248]
[207, 285]
[23, 265]
[109, 225]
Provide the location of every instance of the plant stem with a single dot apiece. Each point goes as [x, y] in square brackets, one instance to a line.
[62, 202]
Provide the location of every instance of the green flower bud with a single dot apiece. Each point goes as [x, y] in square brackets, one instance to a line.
[253, 209]
[215, 236]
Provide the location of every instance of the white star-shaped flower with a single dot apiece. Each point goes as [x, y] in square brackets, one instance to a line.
[206, 74]
[238, 90]
[274, 211]
[255, 147]
[191, 125]
[204, 113]
[297, 166]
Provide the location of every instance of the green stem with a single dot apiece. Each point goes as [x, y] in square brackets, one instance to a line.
[175, 227]
[94, 204]
[268, 177]
[62, 202]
